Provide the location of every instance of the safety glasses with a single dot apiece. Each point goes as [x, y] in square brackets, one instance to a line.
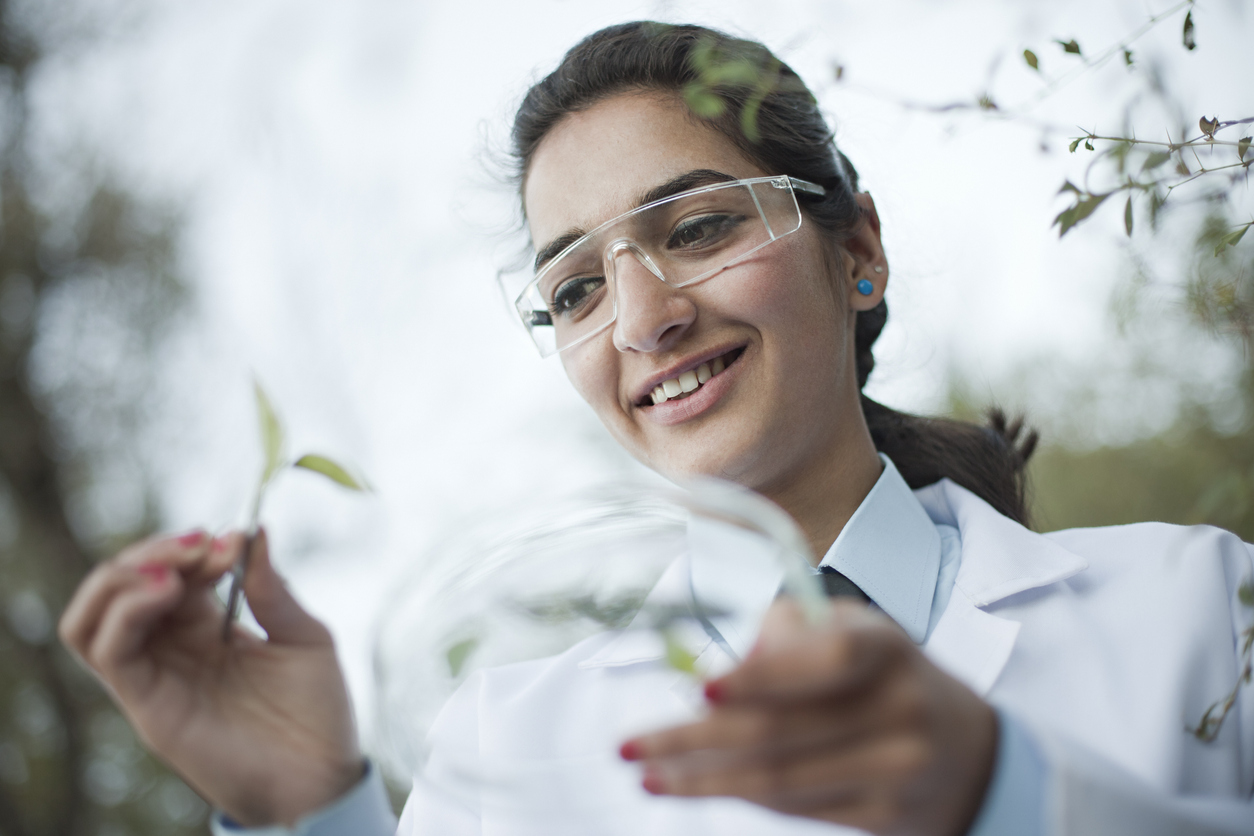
[682, 240]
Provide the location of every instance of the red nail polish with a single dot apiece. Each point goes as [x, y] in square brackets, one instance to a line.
[630, 751]
[191, 538]
[714, 692]
[653, 783]
[154, 573]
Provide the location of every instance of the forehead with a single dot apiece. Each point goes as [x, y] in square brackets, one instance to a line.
[594, 164]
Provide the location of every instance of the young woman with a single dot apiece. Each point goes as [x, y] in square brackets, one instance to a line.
[713, 285]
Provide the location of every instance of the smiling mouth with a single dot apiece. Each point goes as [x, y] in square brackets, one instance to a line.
[690, 381]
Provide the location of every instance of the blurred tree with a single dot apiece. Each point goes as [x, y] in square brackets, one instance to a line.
[87, 293]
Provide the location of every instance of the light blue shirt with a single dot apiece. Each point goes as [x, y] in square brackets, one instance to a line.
[907, 565]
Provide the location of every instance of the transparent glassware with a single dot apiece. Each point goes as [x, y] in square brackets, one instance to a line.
[513, 665]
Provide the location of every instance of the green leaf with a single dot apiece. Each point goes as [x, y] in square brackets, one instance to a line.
[1068, 186]
[458, 654]
[677, 656]
[1231, 239]
[1075, 143]
[1083, 207]
[1181, 168]
[704, 103]
[1127, 57]
[1069, 46]
[271, 433]
[1243, 145]
[1208, 126]
[1190, 42]
[335, 472]
[1030, 57]
[1155, 159]
[1088, 145]
[1245, 592]
[1127, 216]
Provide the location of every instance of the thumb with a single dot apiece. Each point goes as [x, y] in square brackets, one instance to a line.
[272, 604]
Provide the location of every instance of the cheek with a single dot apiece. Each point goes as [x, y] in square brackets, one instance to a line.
[594, 376]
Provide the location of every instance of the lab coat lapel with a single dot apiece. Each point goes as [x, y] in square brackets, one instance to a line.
[1000, 558]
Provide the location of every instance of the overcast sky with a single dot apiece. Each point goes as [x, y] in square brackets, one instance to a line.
[332, 159]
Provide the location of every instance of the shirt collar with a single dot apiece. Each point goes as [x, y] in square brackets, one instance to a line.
[891, 549]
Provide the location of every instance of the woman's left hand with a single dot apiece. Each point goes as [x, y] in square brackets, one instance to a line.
[846, 722]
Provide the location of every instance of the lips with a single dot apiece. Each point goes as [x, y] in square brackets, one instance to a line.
[690, 380]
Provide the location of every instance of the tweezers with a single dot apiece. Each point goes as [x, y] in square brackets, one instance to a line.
[235, 597]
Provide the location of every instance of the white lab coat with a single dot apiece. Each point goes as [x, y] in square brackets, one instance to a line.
[1106, 643]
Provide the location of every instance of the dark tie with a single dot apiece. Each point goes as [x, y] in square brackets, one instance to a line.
[837, 585]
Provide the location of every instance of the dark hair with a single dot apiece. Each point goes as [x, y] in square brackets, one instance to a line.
[759, 104]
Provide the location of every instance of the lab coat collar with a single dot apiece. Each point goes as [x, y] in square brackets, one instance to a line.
[1000, 557]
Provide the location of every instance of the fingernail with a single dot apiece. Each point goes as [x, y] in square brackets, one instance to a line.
[154, 573]
[191, 538]
[715, 692]
[630, 751]
[653, 783]
[219, 545]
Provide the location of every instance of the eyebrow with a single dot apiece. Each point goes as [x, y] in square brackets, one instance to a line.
[688, 180]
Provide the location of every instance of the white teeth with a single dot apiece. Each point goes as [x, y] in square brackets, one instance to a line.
[687, 382]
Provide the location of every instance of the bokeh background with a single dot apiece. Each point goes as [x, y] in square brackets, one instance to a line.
[313, 193]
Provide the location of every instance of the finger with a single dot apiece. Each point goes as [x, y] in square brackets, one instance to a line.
[797, 662]
[128, 621]
[755, 731]
[272, 604]
[804, 784]
[82, 616]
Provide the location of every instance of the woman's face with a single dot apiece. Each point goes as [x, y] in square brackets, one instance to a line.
[781, 321]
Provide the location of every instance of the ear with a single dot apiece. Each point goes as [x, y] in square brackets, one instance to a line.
[867, 256]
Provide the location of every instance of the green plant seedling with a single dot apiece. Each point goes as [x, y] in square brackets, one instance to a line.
[274, 462]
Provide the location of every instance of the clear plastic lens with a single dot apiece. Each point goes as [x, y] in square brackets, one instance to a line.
[680, 240]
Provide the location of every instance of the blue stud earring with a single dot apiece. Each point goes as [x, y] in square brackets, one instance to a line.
[865, 287]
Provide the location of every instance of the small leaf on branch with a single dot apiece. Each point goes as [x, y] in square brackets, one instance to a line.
[1068, 186]
[1084, 207]
[333, 471]
[678, 656]
[1155, 159]
[986, 102]
[1088, 145]
[1075, 143]
[1243, 145]
[271, 433]
[1069, 46]
[1030, 57]
[1208, 126]
[1231, 239]
[1127, 216]
[1127, 57]
[1190, 42]
[1182, 169]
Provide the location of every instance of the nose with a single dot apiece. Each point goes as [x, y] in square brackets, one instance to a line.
[651, 315]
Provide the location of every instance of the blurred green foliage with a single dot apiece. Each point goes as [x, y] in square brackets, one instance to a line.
[88, 293]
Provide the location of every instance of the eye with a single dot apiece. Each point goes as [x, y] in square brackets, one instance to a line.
[704, 231]
[575, 295]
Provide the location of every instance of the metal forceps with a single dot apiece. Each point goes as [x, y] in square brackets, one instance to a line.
[235, 597]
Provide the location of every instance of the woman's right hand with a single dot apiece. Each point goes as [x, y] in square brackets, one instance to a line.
[261, 727]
